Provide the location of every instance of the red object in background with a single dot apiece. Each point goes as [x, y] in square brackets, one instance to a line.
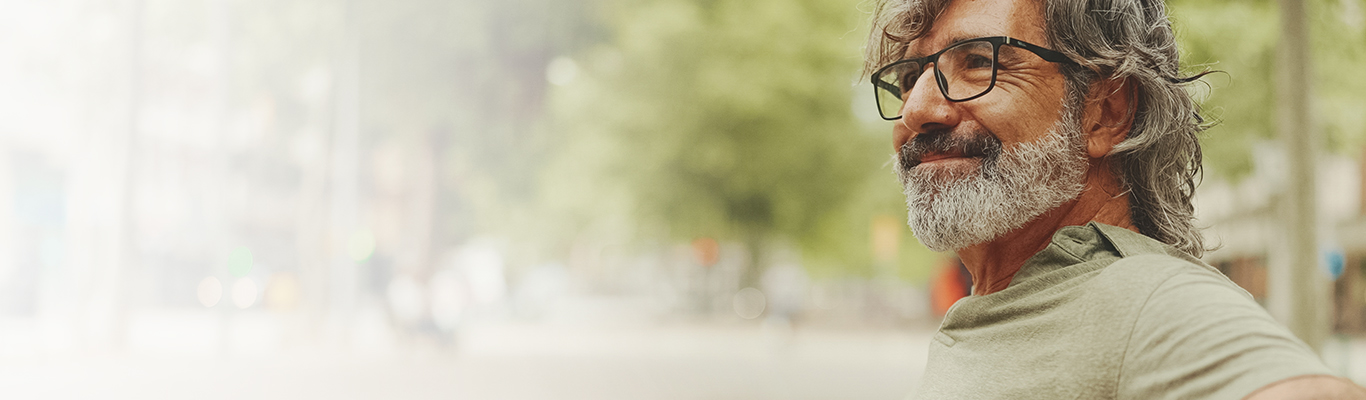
[706, 250]
[951, 282]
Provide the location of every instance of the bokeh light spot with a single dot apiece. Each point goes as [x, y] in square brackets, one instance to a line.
[210, 291]
[239, 262]
[561, 71]
[282, 292]
[362, 245]
[244, 292]
[749, 303]
[407, 298]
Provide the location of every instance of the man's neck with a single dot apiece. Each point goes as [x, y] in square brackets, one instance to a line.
[994, 264]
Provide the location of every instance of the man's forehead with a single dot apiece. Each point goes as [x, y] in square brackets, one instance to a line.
[968, 19]
[926, 45]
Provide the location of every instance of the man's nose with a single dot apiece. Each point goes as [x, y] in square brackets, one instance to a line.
[926, 109]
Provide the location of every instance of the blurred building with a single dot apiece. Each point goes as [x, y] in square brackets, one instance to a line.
[1241, 220]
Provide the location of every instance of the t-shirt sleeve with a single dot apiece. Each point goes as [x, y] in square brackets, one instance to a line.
[1198, 336]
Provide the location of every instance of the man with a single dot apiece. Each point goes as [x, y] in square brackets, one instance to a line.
[1052, 145]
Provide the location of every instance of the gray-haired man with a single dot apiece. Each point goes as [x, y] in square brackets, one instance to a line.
[1052, 145]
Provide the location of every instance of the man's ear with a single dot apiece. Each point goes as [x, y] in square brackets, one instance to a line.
[1109, 114]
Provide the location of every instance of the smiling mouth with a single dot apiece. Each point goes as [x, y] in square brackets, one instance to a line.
[945, 150]
[944, 157]
[929, 158]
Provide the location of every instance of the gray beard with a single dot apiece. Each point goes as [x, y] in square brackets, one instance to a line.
[951, 211]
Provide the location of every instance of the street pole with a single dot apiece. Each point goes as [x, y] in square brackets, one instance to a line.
[124, 263]
[344, 274]
[1304, 292]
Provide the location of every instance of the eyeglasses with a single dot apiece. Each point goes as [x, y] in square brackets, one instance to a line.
[965, 70]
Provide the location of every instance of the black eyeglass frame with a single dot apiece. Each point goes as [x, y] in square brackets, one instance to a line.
[996, 42]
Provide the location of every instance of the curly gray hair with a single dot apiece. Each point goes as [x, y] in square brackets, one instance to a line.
[1159, 161]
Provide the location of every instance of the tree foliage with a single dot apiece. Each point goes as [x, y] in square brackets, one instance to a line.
[730, 119]
[1241, 39]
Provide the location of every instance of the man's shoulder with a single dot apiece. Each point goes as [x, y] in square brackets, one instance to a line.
[1162, 287]
[1151, 271]
[1194, 333]
[1158, 267]
[1147, 265]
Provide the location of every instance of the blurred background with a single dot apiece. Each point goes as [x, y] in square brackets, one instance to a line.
[553, 199]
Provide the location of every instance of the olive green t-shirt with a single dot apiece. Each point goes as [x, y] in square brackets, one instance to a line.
[1106, 313]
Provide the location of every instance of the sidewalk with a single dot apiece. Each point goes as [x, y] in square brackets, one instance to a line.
[517, 361]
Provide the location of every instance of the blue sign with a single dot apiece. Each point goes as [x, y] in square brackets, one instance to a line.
[1333, 261]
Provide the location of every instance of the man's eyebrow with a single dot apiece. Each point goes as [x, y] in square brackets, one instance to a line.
[912, 53]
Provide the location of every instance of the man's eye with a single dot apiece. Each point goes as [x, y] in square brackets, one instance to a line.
[908, 78]
[977, 61]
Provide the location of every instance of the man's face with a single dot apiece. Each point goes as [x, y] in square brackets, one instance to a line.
[1029, 91]
[975, 170]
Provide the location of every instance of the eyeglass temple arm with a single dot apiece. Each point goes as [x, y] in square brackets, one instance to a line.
[1046, 54]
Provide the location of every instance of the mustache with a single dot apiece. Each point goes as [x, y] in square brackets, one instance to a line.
[974, 144]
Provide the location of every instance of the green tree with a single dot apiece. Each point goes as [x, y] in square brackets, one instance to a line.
[1241, 39]
[728, 119]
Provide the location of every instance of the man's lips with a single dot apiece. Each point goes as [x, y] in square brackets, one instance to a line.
[928, 158]
[944, 150]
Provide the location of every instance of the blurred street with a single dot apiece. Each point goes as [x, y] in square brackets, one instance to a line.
[602, 350]
[589, 357]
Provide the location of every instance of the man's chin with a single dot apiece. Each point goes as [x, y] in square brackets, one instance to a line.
[926, 182]
[946, 171]
[939, 247]
[943, 238]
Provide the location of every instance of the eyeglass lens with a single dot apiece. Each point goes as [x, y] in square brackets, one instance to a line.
[963, 71]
